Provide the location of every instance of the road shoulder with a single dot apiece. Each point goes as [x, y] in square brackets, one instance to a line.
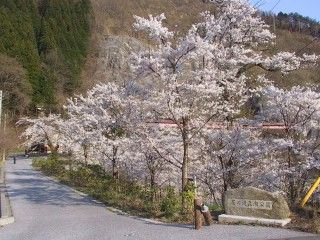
[6, 216]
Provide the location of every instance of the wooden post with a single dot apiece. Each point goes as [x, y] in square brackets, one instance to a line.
[207, 215]
[197, 213]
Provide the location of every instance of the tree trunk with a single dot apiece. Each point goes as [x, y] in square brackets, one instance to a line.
[85, 154]
[115, 172]
[153, 185]
[225, 183]
[292, 187]
[152, 179]
[53, 149]
[184, 169]
[184, 180]
[185, 162]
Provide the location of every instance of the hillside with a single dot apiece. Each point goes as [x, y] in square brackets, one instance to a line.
[113, 37]
[55, 48]
[47, 43]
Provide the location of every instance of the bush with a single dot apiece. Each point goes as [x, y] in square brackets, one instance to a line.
[98, 171]
[51, 166]
[170, 205]
[215, 208]
[189, 196]
[79, 177]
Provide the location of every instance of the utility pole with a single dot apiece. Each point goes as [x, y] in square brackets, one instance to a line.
[274, 16]
[4, 124]
[0, 106]
[1, 115]
[4, 132]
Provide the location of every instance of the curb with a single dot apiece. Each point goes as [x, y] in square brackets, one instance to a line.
[6, 216]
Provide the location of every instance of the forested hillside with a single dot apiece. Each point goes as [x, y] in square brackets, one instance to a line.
[43, 46]
[293, 22]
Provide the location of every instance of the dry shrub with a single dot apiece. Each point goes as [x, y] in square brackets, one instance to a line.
[9, 139]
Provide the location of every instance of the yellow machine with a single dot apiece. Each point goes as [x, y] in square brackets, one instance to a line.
[312, 189]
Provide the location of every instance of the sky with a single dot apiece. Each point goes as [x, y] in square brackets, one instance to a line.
[308, 8]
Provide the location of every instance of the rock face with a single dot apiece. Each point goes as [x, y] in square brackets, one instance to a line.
[254, 202]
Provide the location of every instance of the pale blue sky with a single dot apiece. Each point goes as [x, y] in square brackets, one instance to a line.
[309, 8]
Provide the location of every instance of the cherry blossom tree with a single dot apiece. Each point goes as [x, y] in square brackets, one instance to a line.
[150, 162]
[103, 115]
[76, 140]
[202, 76]
[42, 129]
[158, 146]
[231, 158]
[297, 149]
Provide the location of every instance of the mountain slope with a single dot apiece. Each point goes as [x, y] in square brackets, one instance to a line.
[114, 19]
[49, 39]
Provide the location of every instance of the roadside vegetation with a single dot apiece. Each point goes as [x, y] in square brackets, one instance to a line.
[140, 199]
[124, 193]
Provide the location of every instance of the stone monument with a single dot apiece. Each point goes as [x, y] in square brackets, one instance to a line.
[253, 205]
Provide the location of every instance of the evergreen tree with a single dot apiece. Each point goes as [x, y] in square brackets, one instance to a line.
[49, 38]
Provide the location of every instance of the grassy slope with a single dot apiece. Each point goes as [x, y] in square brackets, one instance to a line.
[293, 42]
[115, 17]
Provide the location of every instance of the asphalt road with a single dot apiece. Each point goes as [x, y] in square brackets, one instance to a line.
[46, 210]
